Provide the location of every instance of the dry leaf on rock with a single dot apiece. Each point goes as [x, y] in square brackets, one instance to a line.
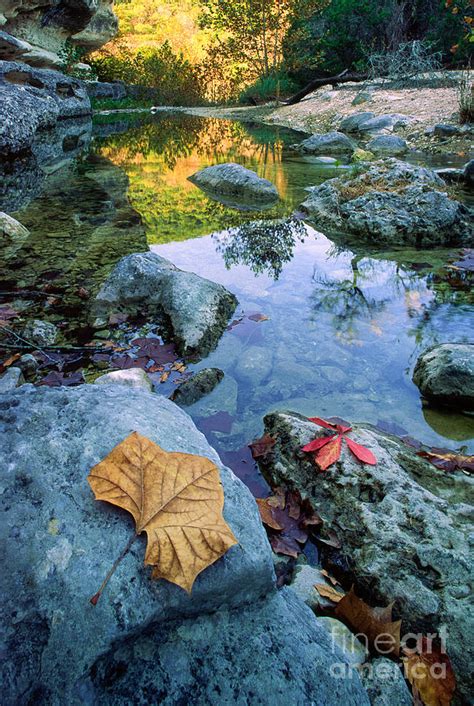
[430, 674]
[328, 592]
[262, 447]
[375, 623]
[447, 460]
[176, 498]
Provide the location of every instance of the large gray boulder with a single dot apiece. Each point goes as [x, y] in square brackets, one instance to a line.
[39, 33]
[328, 144]
[383, 124]
[193, 309]
[445, 375]
[405, 528]
[399, 204]
[391, 145]
[33, 100]
[273, 653]
[235, 181]
[59, 543]
[351, 122]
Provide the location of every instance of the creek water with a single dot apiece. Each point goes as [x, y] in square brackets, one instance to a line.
[324, 326]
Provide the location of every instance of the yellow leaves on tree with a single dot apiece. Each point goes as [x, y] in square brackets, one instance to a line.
[375, 623]
[430, 673]
[175, 498]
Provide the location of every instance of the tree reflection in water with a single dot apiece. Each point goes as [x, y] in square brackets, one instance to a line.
[263, 246]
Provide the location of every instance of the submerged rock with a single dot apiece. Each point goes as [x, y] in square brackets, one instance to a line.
[201, 384]
[445, 375]
[404, 528]
[234, 180]
[194, 309]
[144, 637]
[134, 377]
[328, 144]
[42, 333]
[392, 202]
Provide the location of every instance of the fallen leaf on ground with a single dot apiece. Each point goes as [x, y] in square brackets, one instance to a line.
[288, 517]
[328, 592]
[175, 498]
[9, 361]
[262, 447]
[430, 674]
[7, 313]
[164, 377]
[258, 317]
[372, 622]
[327, 449]
[447, 460]
[57, 379]
[330, 578]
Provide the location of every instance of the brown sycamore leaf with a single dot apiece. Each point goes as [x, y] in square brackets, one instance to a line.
[375, 623]
[176, 498]
[330, 578]
[329, 592]
[430, 674]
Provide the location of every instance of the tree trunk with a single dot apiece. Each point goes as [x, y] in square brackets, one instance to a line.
[344, 77]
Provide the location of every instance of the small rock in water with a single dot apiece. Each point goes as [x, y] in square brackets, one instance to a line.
[11, 379]
[445, 375]
[235, 180]
[201, 384]
[327, 144]
[133, 377]
[42, 333]
[469, 172]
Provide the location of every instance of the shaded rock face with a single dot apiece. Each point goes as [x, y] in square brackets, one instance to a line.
[404, 527]
[328, 144]
[62, 542]
[445, 375]
[37, 32]
[272, 652]
[195, 310]
[145, 641]
[399, 204]
[44, 121]
[102, 89]
[235, 185]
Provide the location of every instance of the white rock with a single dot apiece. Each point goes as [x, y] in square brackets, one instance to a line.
[134, 377]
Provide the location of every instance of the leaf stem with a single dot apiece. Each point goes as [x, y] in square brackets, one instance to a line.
[95, 598]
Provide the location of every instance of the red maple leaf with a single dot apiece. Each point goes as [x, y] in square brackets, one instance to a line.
[327, 449]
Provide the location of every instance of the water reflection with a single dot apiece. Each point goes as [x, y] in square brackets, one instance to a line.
[263, 246]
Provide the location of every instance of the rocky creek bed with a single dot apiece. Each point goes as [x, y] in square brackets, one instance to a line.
[241, 347]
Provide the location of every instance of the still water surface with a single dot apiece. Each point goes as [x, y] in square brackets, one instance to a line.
[344, 323]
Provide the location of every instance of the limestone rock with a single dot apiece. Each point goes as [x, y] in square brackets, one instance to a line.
[351, 122]
[400, 203]
[42, 333]
[406, 528]
[38, 32]
[195, 310]
[445, 130]
[329, 144]
[384, 682]
[445, 375]
[272, 652]
[235, 181]
[355, 652]
[134, 377]
[12, 378]
[61, 542]
[199, 385]
[388, 145]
